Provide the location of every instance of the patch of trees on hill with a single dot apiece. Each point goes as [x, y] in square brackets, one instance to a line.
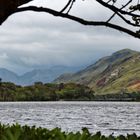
[59, 92]
[44, 92]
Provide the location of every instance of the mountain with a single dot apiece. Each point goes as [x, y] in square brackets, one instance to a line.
[42, 75]
[7, 75]
[45, 75]
[111, 74]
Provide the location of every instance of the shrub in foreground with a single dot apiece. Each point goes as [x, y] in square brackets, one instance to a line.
[18, 132]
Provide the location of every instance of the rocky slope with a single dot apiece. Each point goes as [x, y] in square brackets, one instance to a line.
[119, 72]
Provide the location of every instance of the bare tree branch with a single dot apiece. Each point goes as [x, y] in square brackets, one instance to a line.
[67, 5]
[115, 9]
[79, 20]
[7, 7]
[128, 12]
[71, 6]
[121, 9]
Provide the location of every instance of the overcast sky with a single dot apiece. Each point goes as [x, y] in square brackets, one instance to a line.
[31, 40]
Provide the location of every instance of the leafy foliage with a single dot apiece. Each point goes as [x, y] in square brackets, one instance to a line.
[18, 132]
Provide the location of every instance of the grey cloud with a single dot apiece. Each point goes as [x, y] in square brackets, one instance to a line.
[29, 40]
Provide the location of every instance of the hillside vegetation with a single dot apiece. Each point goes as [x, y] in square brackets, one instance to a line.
[117, 73]
[44, 92]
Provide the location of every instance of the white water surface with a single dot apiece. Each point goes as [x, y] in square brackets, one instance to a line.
[107, 117]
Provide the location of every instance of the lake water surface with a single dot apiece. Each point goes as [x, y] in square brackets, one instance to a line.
[107, 117]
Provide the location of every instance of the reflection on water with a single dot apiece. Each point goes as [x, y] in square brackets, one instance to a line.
[107, 117]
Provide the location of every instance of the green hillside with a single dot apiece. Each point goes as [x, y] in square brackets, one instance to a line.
[117, 73]
[120, 76]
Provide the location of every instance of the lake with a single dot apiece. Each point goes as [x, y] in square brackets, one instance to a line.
[107, 117]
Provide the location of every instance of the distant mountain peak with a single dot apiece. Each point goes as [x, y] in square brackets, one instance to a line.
[125, 52]
[36, 75]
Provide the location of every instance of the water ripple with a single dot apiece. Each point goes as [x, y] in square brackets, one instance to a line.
[107, 117]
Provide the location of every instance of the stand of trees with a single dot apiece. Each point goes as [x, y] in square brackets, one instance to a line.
[44, 92]
[59, 92]
[128, 11]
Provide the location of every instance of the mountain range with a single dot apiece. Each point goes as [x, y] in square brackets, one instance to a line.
[42, 75]
[119, 72]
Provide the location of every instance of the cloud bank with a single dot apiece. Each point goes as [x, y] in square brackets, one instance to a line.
[31, 40]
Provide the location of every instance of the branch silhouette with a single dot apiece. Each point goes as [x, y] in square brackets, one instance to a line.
[128, 13]
[7, 7]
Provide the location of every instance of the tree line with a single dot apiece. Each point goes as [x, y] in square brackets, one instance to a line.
[44, 92]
